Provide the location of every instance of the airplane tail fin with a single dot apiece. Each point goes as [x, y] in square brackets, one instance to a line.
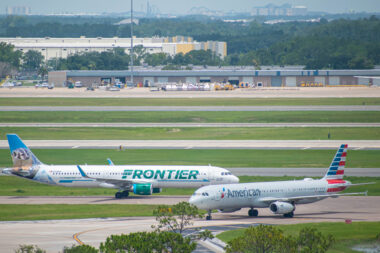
[22, 156]
[336, 169]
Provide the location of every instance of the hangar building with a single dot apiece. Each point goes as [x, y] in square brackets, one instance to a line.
[265, 78]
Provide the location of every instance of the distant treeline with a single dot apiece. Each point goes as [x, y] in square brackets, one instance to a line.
[338, 44]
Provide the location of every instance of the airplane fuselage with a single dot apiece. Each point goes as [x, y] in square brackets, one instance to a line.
[258, 195]
[158, 176]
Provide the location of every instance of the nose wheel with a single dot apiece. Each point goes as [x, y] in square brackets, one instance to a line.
[253, 212]
[208, 217]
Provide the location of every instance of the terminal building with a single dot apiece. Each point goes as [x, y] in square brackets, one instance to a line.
[264, 78]
[63, 47]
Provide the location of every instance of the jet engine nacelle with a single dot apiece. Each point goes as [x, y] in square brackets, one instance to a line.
[231, 210]
[279, 207]
[142, 189]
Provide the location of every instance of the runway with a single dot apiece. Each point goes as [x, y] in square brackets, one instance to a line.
[229, 125]
[189, 108]
[197, 144]
[42, 200]
[53, 235]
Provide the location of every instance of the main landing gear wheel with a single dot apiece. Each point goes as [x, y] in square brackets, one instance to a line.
[253, 213]
[123, 194]
[289, 215]
[208, 217]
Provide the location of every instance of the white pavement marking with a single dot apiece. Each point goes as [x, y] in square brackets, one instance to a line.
[185, 124]
[201, 144]
[191, 108]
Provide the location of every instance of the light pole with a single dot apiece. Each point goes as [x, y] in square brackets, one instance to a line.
[131, 42]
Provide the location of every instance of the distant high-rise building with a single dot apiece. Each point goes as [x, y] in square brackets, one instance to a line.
[283, 10]
[18, 10]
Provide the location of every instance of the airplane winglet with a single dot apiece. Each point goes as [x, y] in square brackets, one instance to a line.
[82, 172]
[110, 162]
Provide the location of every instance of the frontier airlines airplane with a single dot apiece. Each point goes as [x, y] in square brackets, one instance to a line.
[139, 179]
[281, 196]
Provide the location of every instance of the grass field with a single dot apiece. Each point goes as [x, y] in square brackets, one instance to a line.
[52, 212]
[347, 235]
[193, 117]
[185, 101]
[16, 186]
[189, 133]
[217, 157]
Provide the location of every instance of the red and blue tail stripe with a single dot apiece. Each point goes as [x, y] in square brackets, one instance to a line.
[336, 169]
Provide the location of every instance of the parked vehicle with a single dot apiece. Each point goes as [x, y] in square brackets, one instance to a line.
[78, 84]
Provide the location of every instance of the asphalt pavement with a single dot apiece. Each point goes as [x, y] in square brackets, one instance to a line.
[198, 144]
[192, 108]
[230, 125]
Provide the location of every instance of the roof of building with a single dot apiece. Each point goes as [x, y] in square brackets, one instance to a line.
[221, 72]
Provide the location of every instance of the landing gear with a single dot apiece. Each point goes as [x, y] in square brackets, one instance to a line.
[289, 215]
[253, 212]
[120, 195]
[208, 217]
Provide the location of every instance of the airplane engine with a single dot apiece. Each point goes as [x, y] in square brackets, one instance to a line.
[279, 207]
[231, 210]
[142, 189]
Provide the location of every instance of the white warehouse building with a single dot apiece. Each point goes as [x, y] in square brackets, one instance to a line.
[63, 47]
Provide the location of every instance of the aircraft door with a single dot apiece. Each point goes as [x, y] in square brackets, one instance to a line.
[211, 175]
[218, 194]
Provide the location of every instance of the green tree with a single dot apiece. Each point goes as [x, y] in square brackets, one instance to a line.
[262, 239]
[9, 59]
[269, 239]
[157, 59]
[42, 71]
[80, 249]
[32, 60]
[177, 217]
[146, 242]
[312, 241]
[29, 249]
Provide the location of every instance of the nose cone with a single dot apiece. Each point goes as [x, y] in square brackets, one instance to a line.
[194, 201]
[234, 179]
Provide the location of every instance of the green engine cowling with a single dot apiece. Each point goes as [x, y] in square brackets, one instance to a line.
[143, 189]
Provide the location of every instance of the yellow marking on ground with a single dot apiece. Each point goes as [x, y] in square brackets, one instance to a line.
[76, 235]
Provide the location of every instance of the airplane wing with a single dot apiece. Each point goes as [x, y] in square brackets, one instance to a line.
[298, 198]
[121, 183]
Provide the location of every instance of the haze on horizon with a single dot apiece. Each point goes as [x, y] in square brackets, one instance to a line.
[183, 6]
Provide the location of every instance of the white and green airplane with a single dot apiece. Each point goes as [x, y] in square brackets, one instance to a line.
[139, 179]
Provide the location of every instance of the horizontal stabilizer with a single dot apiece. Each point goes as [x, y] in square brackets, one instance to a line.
[362, 184]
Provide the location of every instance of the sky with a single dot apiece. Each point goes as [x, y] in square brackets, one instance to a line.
[183, 6]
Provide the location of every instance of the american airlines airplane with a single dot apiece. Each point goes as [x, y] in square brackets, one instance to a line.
[280, 196]
[139, 179]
